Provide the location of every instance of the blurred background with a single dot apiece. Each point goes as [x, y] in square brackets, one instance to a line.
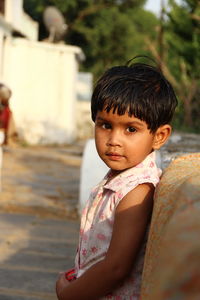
[53, 51]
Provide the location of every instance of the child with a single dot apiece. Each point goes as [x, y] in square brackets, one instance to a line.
[6, 116]
[132, 107]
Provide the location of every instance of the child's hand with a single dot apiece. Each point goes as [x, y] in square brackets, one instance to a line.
[61, 283]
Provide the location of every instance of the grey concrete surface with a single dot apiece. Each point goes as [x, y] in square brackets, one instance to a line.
[33, 250]
[41, 180]
[39, 223]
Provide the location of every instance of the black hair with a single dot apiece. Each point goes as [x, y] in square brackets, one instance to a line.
[139, 89]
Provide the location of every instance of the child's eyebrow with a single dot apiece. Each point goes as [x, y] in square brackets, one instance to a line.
[100, 119]
[135, 123]
[132, 123]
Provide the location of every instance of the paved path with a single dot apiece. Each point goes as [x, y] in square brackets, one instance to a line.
[41, 180]
[38, 219]
[33, 250]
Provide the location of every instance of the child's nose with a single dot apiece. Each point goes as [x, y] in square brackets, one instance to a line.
[114, 138]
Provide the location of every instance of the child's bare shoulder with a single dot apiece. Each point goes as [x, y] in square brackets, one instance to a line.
[140, 195]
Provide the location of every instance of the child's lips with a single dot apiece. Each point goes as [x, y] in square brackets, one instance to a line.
[114, 155]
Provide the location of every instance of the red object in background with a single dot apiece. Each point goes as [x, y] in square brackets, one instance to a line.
[5, 115]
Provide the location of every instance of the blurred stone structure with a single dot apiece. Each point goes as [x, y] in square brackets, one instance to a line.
[172, 260]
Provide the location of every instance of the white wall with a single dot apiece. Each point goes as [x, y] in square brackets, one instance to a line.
[19, 20]
[43, 78]
[1, 50]
[84, 92]
[85, 125]
[5, 30]
[13, 12]
[29, 27]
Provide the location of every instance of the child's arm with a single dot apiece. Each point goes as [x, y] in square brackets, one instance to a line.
[131, 219]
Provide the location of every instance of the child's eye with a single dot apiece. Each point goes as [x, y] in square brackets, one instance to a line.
[131, 129]
[106, 126]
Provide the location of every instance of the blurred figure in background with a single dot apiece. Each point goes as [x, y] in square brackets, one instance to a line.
[2, 138]
[7, 124]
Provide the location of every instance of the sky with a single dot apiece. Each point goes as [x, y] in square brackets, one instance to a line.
[154, 6]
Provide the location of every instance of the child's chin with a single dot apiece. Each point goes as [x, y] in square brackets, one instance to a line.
[118, 169]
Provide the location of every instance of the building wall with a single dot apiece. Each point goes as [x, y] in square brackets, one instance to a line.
[14, 19]
[5, 30]
[19, 20]
[85, 126]
[13, 12]
[29, 27]
[43, 79]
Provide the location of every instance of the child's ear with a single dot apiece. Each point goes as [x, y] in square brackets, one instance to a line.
[161, 136]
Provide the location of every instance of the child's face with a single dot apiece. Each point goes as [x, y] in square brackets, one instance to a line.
[122, 141]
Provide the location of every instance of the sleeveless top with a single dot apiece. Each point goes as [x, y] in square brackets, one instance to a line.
[98, 218]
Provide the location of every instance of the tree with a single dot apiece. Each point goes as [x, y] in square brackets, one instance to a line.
[178, 52]
[109, 31]
[183, 44]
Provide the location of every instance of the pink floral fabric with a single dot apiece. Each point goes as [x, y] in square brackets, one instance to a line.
[98, 217]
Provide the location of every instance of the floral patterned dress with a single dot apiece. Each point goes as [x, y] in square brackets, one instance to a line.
[98, 218]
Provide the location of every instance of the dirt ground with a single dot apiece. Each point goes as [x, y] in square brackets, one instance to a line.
[43, 180]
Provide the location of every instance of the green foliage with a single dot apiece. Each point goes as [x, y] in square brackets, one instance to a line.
[183, 45]
[185, 31]
[111, 37]
[109, 32]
